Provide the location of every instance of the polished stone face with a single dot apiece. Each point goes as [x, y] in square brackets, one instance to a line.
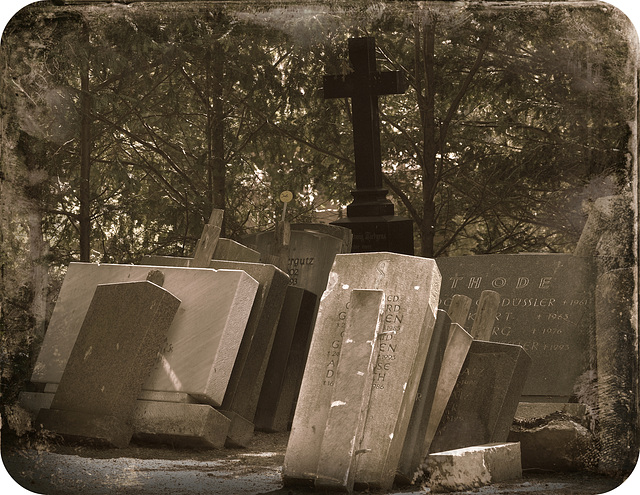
[546, 306]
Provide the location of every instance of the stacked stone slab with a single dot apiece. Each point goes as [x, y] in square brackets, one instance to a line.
[283, 376]
[411, 287]
[124, 330]
[198, 357]
[250, 364]
[485, 398]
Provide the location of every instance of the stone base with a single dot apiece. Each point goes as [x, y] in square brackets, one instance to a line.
[472, 467]
[86, 428]
[558, 444]
[180, 424]
[32, 402]
[240, 431]
[375, 234]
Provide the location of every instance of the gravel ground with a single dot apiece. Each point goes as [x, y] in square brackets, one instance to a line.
[60, 469]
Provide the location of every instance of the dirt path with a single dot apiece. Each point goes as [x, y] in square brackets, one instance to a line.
[146, 470]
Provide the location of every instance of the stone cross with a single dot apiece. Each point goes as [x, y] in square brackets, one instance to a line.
[363, 86]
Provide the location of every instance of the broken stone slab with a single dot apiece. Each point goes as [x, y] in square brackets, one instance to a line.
[180, 424]
[533, 410]
[556, 443]
[472, 467]
[351, 393]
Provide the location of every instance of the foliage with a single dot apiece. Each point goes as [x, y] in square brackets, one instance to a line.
[515, 118]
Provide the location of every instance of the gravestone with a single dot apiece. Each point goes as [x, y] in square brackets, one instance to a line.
[352, 391]
[207, 330]
[226, 250]
[311, 255]
[286, 363]
[485, 398]
[455, 355]
[371, 215]
[411, 287]
[243, 390]
[413, 450]
[546, 307]
[123, 332]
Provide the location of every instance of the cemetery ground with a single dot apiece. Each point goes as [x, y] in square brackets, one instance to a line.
[51, 467]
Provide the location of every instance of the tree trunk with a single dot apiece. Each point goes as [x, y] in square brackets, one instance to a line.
[430, 141]
[85, 162]
[215, 123]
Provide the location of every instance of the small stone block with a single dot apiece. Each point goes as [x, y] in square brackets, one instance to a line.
[240, 431]
[34, 401]
[472, 467]
[180, 424]
[163, 396]
[77, 426]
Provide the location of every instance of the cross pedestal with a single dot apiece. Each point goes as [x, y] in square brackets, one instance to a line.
[371, 215]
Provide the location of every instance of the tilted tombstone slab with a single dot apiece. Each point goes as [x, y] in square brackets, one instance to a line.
[203, 340]
[311, 255]
[413, 452]
[455, 355]
[411, 286]
[286, 362]
[243, 390]
[351, 392]
[226, 250]
[485, 398]
[546, 307]
[123, 331]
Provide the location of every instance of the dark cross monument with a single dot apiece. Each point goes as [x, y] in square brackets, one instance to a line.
[371, 215]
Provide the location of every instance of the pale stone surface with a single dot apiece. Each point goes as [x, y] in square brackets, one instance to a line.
[226, 250]
[180, 424]
[473, 467]
[311, 255]
[485, 316]
[352, 391]
[122, 333]
[416, 444]
[245, 382]
[240, 430]
[454, 358]
[411, 287]
[207, 329]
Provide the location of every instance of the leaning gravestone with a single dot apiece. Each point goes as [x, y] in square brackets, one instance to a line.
[411, 286]
[413, 452]
[207, 330]
[311, 254]
[121, 336]
[546, 307]
[351, 392]
[245, 382]
[485, 398]
[286, 363]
